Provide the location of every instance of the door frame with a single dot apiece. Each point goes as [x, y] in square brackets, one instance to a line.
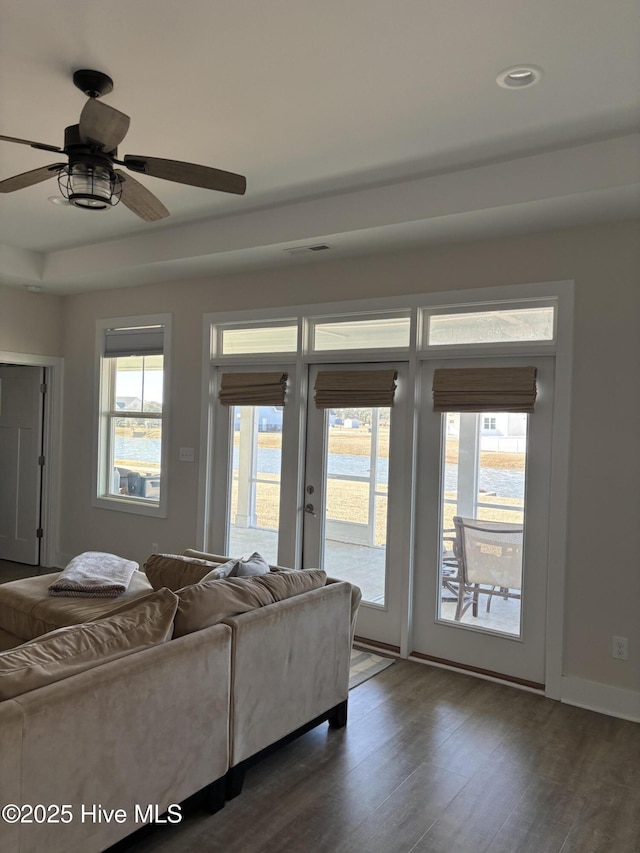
[52, 449]
[219, 434]
[520, 658]
[386, 620]
[561, 292]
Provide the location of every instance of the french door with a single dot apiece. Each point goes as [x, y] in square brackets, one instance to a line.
[481, 555]
[322, 488]
[353, 519]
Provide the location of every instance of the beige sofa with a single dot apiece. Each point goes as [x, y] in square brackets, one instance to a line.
[158, 725]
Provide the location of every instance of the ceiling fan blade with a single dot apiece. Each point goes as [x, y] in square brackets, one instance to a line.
[41, 145]
[187, 173]
[28, 179]
[103, 124]
[140, 200]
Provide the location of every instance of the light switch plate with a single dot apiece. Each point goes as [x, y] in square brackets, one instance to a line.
[187, 454]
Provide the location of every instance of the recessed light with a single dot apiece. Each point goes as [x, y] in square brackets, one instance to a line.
[33, 288]
[519, 76]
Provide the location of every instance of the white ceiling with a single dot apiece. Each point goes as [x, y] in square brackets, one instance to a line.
[364, 124]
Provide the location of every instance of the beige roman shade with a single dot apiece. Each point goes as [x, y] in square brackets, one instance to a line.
[484, 389]
[253, 389]
[337, 389]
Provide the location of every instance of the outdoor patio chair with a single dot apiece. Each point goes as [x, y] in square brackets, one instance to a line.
[489, 554]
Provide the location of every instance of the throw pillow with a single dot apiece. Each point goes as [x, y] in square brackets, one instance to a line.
[67, 651]
[255, 561]
[248, 567]
[174, 571]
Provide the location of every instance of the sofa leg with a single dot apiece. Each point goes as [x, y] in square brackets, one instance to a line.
[215, 795]
[338, 716]
[234, 780]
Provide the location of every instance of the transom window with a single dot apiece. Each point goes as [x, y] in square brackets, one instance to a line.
[501, 325]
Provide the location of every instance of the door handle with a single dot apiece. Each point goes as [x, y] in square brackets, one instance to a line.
[309, 508]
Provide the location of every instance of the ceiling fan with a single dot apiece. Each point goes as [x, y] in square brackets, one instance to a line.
[90, 180]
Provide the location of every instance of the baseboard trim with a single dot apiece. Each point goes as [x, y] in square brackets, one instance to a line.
[603, 698]
[374, 645]
[487, 674]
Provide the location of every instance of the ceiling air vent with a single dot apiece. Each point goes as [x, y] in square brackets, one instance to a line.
[299, 250]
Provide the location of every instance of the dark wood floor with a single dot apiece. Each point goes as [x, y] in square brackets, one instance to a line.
[14, 571]
[432, 762]
[439, 762]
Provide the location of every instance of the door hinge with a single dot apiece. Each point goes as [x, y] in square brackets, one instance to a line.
[43, 388]
[41, 460]
[39, 533]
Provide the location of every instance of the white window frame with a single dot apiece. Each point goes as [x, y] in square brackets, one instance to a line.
[491, 347]
[355, 317]
[278, 355]
[102, 408]
[557, 293]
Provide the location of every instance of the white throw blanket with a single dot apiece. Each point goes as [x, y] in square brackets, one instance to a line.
[95, 574]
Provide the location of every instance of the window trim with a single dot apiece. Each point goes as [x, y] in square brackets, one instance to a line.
[102, 410]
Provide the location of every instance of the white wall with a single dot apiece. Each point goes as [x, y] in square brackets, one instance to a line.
[603, 577]
[30, 322]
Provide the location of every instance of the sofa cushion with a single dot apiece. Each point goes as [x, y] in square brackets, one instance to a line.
[175, 571]
[285, 584]
[27, 610]
[67, 651]
[204, 604]
[209, 602]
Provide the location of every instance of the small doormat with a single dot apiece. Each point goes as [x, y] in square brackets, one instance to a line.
[365, 665]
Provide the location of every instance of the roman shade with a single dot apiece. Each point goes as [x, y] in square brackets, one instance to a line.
[145, 340]
[253, 389]
[484, 389]
[336, 389]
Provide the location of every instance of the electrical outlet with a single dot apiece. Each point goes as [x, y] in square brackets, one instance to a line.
[620, 648]
[154, 547]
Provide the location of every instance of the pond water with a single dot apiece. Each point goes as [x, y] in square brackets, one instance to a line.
[504, 482]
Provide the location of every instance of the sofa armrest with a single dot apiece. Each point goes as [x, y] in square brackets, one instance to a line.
[289, 664]
[356, 598]
[150, 729]
[11, 726]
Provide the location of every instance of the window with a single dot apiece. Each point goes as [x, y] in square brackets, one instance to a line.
[247, 340]
[392, 331]
[503, 325]
[488, 423]
[131, 438]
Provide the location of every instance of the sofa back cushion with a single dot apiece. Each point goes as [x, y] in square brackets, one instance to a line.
[204, 604]
[175, 571]
[209, 602]
[285, 584]
[67, 651]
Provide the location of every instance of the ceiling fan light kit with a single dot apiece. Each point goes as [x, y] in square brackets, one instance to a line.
[90, 187]
[90, 180]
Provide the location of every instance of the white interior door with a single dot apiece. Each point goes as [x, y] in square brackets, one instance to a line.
[20, 447]
[493, 470]
[353, 499]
